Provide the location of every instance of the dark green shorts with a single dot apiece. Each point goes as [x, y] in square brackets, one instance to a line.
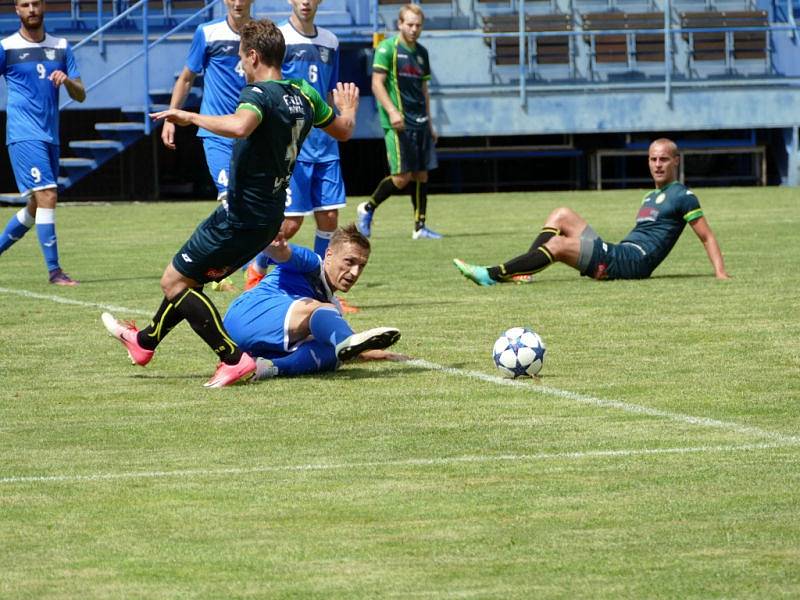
[216, 249]
[410, 150]
[617, 261]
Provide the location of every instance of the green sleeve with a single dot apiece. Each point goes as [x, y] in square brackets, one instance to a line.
[383, 56]
[323, 113]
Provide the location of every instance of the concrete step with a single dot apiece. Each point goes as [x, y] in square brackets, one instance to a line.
[86, 164]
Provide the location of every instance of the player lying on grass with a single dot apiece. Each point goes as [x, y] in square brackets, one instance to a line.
[293, 321]
[566, 237]
[273, 118]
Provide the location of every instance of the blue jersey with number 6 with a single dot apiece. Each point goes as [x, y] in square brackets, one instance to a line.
[314, 59]
[32, 97]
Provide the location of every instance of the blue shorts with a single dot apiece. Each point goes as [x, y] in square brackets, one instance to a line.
[35, 165]
[314, 187]
[216, 249]
[258, 321]
[218, 158]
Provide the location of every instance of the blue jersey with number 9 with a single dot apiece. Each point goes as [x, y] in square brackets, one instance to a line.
[32, 97]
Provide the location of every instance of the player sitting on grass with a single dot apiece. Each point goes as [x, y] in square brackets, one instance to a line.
[292, 320]
[566, 237]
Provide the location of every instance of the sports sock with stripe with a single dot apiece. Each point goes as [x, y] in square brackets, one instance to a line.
[194, 306]
[531, 262]
[17, 226]
[328, 326]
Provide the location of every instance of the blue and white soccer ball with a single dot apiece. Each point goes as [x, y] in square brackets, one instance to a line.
[519, 352]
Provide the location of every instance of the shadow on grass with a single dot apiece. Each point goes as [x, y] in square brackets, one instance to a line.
[154, 278]
[682, 276]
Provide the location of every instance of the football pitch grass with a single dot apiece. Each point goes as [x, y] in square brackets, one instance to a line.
[657, 457]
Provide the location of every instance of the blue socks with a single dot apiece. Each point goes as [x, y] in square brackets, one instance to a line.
[321, 241]
[328, 326]
[312, 356]
[16, 227]
[46, 230]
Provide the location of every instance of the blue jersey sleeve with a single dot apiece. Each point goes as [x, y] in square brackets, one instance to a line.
[72, 65]
[195, 62]
[334, 71]
[302, 260]
[2, 61]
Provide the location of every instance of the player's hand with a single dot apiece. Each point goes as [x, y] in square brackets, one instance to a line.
[279, 249]
[168, 135]
[397, 121]
[345, 97]
[173, 115]
[58, 78]
[383, 355]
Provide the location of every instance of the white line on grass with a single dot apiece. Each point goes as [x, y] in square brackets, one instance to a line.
[615, 404]
[62, 300]
[527, 385]
[411, 462]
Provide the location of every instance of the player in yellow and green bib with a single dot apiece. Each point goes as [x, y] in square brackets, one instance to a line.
[401, 72]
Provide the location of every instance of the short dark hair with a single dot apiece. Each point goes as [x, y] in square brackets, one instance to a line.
[266, 39]
[349, 234]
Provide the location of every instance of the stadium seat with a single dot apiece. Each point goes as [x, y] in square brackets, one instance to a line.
[627, 48]
[725, 46]
[545, 50]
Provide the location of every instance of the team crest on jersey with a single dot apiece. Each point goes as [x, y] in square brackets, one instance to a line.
[324, 54]
[50, 53]
[421, 60]
[660, 198]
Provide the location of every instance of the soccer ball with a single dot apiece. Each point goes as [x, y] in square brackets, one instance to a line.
[518, 352]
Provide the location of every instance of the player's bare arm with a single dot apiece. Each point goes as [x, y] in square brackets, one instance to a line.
[179, 93]
[703, 230]
[74, 87]
[379, 91]
[238, 125]
[345, 97]
[383, 355]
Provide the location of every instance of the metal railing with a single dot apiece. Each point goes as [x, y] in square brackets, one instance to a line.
[144, 53]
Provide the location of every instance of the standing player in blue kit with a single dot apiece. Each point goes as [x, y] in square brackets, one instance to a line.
[35, 65]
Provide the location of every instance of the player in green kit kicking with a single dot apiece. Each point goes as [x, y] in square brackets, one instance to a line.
[272, 119]
[566, 237]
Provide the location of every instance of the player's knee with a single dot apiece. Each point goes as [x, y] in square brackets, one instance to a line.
[327, 220]
[45, 198]
[400, 181]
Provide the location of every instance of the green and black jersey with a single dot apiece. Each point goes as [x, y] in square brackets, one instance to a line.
[262, 163]
[406, 70]
[661, 219]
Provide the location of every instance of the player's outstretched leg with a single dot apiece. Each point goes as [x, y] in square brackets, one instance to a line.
[309, 357]
[127, 334]
[377, 338]
[475, 273]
